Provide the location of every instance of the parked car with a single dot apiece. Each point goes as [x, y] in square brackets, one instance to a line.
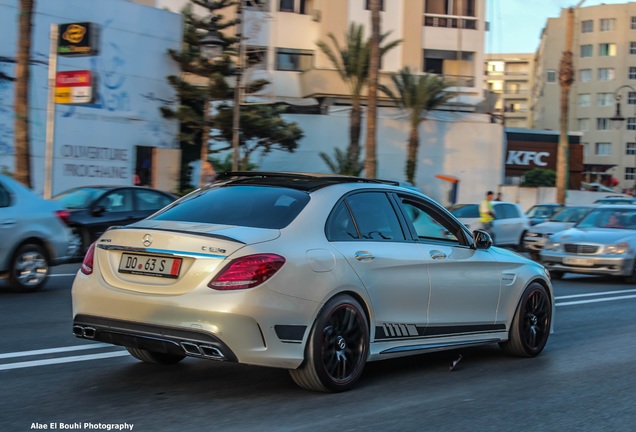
[508, 228]
[542, 212]
[537, 235]
[602, 243]
[317, 274]
[34, 236]
[93, 209]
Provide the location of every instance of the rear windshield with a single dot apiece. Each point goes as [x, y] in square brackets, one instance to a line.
[465, 210]
[250, 206]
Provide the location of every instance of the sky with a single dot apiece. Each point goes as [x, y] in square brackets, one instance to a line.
[515, 25]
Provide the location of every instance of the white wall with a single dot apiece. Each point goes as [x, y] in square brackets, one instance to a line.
[463, 145]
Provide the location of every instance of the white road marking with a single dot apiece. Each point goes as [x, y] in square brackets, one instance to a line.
[60, 360]
[54, 350]
[604, 299]
[595, 294]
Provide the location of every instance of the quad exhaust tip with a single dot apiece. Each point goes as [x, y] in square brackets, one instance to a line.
[84, 331]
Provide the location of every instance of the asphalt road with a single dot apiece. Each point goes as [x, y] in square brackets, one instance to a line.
[585, 380]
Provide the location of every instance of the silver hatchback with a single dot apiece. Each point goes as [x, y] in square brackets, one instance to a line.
[34, 236]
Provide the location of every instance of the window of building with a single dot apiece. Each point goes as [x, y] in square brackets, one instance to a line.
[632, 47]
[584, 99]
[603, 149]
[585, 75]
[605, 74]
[607, 49]
[586, 149]
[587, 26]
[633, 23]
[298, 6]
[629, 173]
[256, 56]
[293, 59]
[551, 76]
[631, 123]
[584, 124]
[631, 98]
[368, 7]
[630, 148]
[605, 99]
[607, 24]
[632, 72]
[602, 124]
[451, 7]
[587, 50]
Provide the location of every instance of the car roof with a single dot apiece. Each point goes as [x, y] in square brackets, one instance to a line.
[307, 182]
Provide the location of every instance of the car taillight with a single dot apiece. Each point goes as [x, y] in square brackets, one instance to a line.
[247, 272]
[65, 215]
[87, 264]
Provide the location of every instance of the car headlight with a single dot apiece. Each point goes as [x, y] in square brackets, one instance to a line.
[551, 245]
[617, 249]
[532, 234]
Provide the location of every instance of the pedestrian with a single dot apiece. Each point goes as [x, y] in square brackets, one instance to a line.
[498, 197]
[487, 212]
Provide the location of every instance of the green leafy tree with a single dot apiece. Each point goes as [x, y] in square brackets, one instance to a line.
[417, 94]
[539, 177]
[203, 82]
[352, 63]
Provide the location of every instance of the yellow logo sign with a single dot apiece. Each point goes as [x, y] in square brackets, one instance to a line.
[74, 33]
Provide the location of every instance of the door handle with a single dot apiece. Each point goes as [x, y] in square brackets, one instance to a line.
[364, 256]
[8, 222]
[437, 255]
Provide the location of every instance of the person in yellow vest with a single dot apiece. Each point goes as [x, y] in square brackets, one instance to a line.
[487, 212]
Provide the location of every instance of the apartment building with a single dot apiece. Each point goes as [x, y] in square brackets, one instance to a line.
[604, 57]
[444, 37]
[510, 77]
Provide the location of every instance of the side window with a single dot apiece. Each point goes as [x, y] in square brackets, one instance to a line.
[150, 200]
[117, 201]
[427, 223]
[506, 211]
[5, 197]
[340, 226]
[375, 217]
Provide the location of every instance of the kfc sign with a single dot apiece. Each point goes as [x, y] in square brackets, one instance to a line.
[523, 157]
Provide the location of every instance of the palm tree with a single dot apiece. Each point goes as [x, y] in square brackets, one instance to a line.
[370, 153]
[418, 94]
[22, 73]
[352, 63]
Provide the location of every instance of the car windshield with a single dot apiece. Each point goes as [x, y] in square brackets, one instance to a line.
[541, 211]
[78, 198]
[250, 206]
[570, 214]
[464, 210]
[609, 218]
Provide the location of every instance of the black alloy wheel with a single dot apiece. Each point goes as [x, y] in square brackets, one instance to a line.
[337, 348]
[531, 325]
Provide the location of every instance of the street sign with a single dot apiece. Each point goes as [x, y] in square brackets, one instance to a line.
[74, 87]
[77, 39]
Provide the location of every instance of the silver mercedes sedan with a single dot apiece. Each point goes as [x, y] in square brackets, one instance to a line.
[317, 274]
[602, 243]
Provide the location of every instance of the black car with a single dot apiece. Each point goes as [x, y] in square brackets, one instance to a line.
[93, 209]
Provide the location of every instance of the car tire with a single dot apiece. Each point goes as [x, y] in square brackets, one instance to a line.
[154, 357]
[337, 348]
[531, 324]
[83, 239]
[632, 278]
[29, 268]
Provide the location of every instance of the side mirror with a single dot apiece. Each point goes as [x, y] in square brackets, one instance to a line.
[481, 239]
[98, 210]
